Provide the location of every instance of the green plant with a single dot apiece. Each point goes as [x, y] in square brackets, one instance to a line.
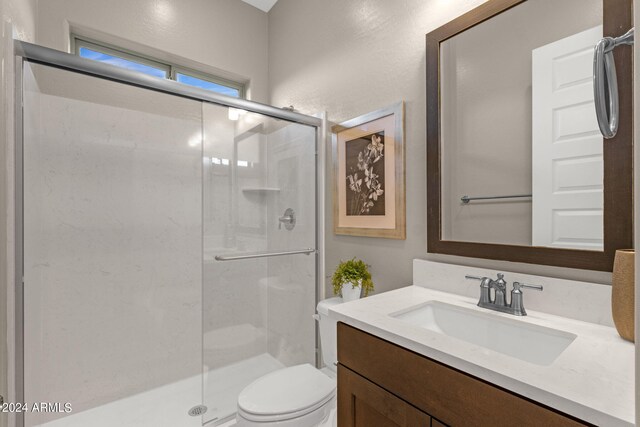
[352, 271]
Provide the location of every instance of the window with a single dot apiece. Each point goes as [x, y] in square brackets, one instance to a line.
[206, 83]
[132, 61]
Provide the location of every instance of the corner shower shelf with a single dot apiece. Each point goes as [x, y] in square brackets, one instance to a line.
[260, 190]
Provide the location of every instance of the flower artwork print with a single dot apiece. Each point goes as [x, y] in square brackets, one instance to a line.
[365, 175]
[368, 165]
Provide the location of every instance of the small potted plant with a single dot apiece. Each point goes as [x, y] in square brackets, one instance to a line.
[351, 280]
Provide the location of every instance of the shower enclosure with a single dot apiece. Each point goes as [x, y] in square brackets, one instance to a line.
[168, 242]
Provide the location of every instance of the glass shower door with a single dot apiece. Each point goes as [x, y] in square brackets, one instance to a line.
[112, 252]
[259, 200]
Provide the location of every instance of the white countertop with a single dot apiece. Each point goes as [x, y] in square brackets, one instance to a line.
[593, 379]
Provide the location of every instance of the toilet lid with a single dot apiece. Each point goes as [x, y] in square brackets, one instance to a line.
[286, 391]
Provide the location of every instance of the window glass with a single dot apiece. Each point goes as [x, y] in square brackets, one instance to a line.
[154, 67]
[205, 84]
[85, 52]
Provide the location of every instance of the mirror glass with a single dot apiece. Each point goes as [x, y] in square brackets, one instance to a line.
[521, 150]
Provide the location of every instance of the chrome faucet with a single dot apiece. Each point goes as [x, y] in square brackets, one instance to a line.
[500, 290]
[499, 300]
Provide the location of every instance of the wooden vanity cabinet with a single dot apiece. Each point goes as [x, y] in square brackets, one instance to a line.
[381, 384]
[365, 404]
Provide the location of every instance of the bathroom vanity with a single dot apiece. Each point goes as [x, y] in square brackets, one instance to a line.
[381, 381]
[421, 356]
[516, 171]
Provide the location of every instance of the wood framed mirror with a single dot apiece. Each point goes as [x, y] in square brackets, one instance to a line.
[563, 205]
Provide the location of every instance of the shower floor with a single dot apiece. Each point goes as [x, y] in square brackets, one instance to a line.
[168, 405]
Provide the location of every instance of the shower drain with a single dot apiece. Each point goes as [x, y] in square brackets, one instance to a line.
[197, 410]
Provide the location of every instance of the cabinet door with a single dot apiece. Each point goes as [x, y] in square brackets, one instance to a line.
[361, 403]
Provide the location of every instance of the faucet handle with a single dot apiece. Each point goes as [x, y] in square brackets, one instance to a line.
[484, 281]
[517, 286]
[485, 292]
[517, 305]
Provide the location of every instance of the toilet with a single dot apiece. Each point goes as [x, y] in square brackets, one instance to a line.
[297, 396]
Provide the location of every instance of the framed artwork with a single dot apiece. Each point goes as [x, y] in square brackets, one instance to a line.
[369, 179]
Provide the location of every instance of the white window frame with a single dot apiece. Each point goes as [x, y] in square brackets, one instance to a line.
[170, 68]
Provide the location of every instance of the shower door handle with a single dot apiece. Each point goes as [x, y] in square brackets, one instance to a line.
[308, 251]
[605, 83]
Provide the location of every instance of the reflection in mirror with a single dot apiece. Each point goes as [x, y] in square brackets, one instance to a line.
[517, 119]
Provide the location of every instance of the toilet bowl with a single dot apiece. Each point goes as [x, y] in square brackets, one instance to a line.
[297, 396]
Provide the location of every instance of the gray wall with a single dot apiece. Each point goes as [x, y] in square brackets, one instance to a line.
[350, 58]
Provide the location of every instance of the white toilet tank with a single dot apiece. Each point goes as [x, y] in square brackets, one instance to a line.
[328, 333]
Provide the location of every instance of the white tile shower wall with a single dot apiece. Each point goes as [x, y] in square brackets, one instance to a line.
[291, 281]
[234, 303]
[589, 302]
[112, 240]
[234, 312]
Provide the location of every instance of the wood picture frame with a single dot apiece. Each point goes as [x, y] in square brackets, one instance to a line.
[617, 154]
[369, 175]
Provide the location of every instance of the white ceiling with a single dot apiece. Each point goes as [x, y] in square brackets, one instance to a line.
[263, 5]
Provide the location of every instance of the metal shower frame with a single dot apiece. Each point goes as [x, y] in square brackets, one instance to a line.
[29, 52]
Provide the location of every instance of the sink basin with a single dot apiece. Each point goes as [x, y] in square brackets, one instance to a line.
[515, 338]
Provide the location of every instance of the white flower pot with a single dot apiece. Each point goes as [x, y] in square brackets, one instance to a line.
[350, 293]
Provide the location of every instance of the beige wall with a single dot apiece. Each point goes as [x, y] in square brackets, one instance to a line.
[350, 58]
[22, 15]
[227, 37]
[17, 20]
[487, 143]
